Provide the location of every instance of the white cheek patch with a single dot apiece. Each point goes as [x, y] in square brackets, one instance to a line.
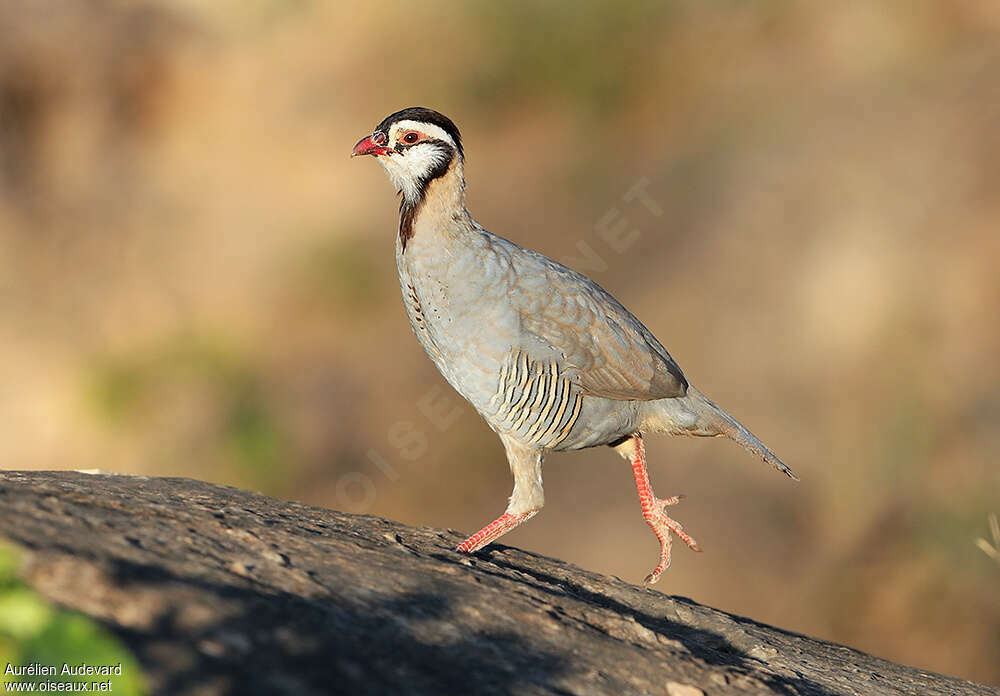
[408, 169]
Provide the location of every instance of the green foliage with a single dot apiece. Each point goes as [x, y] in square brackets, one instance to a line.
[33, 632]
[188, 372]
[252, 435]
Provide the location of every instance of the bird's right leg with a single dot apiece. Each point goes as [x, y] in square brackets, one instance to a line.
[653, 508]
[526, 500]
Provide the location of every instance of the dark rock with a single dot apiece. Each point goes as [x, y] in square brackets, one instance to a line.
[221, 591]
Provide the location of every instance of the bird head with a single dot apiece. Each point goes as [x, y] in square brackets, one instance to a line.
[414, 146]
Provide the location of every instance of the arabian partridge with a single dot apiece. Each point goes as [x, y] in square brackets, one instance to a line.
[547, 356]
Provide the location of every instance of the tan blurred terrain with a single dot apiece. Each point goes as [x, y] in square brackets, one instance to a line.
[192, 270]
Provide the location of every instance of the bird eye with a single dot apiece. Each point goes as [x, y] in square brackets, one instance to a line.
[410, 137]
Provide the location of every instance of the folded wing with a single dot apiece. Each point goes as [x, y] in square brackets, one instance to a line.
[606, 349]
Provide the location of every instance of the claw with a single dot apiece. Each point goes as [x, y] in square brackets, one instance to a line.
[655, 513]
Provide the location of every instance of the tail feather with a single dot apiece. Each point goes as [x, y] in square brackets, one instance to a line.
[696, 414]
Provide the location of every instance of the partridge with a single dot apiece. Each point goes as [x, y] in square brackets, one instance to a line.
[546, 356]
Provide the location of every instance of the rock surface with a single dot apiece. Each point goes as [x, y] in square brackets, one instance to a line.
[221, 591]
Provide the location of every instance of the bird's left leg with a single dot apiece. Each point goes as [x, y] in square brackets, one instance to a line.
[653, 508]
[526, 500]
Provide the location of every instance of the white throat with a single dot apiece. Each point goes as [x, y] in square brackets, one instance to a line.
[408, 171]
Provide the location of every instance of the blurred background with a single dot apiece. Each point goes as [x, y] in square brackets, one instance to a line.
[196, 280]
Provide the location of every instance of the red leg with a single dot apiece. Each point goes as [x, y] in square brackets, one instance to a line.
[653, 508]
[526, 499]
[493, 531]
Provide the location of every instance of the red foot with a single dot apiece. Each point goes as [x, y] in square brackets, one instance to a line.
[654, 512]
[493, 531]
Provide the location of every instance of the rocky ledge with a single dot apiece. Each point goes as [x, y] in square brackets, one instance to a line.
[221, 591]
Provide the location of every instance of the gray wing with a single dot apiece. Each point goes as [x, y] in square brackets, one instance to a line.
[609, 352]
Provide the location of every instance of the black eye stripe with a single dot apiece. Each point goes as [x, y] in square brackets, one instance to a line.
[400, 146]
